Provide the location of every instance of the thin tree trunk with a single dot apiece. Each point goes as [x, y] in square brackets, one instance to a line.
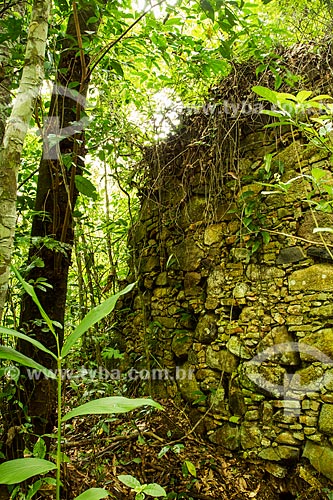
[15, 132]
[80, 281]
[113, 270]
[56, 197]
[6, 67]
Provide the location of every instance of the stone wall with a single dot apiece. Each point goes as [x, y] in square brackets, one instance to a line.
[251, 327]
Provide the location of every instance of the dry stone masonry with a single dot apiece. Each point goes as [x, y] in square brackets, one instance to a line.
[236, 288]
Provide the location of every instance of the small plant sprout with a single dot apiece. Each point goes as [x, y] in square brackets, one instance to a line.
[141, 490]
[16, 471]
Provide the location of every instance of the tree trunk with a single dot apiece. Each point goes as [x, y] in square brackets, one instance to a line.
[6, 67]
[15, 132]
[52, 230]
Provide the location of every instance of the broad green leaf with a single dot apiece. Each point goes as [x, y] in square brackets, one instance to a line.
[276, 113]
[16, 471]
[318, 173]
[33, 489]
[19, 335]
[277, 124]
[85, 187]
[117, 67]
[321, 97]
[174, 21]
[266, 93]
[284, 96]
[230, 16]
[208, 9]
[93, 494]
[191, 468]
[129, 481]
[99, 312]
[255, 247]
[39, 449]
[266, 237]
[12, 355]
[112, 404]
[303, 95]
[154, 490]
[30, 291]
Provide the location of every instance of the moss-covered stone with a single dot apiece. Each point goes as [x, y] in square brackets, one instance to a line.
[278, 453]
[317, 346]
[191, 284]
[307, 379]
[187, 383]
[257, 272]
[227, 436]
[187, 255]
[182, 343]
[290, 255]
[250, 436]
[325, 311]
[217, 401]
[277, 336]
[215, 283]
[307, 226]
[206, 330]
[326, 419]
[320, 457]
[221, 360]
[236, 347]
[317, 278]
[213, 234]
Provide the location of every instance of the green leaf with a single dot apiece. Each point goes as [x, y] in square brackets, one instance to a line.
[163, 451]
[117, 67]
[266, 93]
[30, 291]
[266, 237]
[11, 354]
[85, 187]
[208, 9]
[93, 494]
[235, 419]
[230, 16]
[191, 468]
[278, 81]
[33, 489]
[174, 21]
[129, 481]
[275, 113]
[255, 247]
[318, 174]
[303, 95]
[154, 490]
[277, 124]
[19, 335]
[93, 316]
[112, 404]
[321, 97]
[16, 471]
[39, 449]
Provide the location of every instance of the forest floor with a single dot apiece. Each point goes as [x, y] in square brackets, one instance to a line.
[160, 447]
